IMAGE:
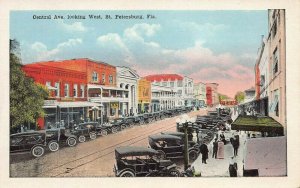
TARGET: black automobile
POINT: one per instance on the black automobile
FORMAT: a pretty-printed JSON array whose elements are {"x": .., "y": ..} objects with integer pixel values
[
  {"x": 32, "y": 141},
  {"x": 84, "y": 130},
  {"x": 119, "y": 123},
  {"x": 58, "y": 136},
  {"x": 171, "y": 147},
  {"x": 142, "y": 162}
]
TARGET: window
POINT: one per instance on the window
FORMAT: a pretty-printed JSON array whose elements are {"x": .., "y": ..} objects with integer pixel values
[
  {"x": 274, "y": 29},
  {"x": 179, "y": 83},
  {"x": 276, "y": 102},
  {"x": 179, "y": 92},
  {"x": 75, "y": 90},
  {"x": 275, "y": 61},
  {"x": 57, "y": 91},
  {"x": 48, "y": 83},
  {"x": 165, "y": 83},
  {"x": 111, "y": 79},
  {"x": 95, "y": 77},
  {"x": 103, "y": 78},
  {"x": 262, "y": 80},
  {"x": 66, "y": 90},
  {"x": 82, "y": 91},
  {"x": 172, "y": 84}
]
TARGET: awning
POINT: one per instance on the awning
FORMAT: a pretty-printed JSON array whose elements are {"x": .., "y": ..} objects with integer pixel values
[
  {"x": 257, "y": 123},
  {"x": 267, "y": 155},
  {"x": 73, "y": 104}
]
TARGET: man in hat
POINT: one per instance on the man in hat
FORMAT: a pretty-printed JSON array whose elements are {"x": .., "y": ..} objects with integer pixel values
[{"x": 215, "y": 148}]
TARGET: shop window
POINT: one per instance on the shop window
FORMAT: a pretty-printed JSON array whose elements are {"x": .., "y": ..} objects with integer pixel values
[
  {"x": 75, "y": 90},
  {"x": 57, "y": 89},
  {"x": 66, "y": 90}
]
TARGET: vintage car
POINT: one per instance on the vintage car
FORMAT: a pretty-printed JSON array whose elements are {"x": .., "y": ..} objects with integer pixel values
[
  {"x": 120, "y": 123},
  {"x": 31, "y": 141},
  {"x": 134, "y": 161},
  {"x": 105, "y": 128},
  {"x": 171, "y": 147},
  {"x": 86, "y": 129},
  {"x": 58, "y": 136}
]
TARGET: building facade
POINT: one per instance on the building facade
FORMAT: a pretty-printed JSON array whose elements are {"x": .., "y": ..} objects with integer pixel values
[
  {"x": 188, "y": 91},
  {"x": 163, "y": 97},
  {"x": 277, "y": 66},
  {"x": 212, "y": 96},
  {"x": 127, "y": 79},
  {"x": 144, "y": 96},
  {"x": 199, "y": 94}
]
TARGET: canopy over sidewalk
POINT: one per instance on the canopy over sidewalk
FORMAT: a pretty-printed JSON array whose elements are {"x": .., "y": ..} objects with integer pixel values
[{"x": 257, "y": 123}]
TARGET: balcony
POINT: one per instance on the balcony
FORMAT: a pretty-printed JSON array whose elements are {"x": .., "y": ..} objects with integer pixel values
[{"x": 109, "y": 99}]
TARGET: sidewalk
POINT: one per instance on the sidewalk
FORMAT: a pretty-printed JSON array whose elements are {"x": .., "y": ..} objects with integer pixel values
[{"x": 219, "y": 167}]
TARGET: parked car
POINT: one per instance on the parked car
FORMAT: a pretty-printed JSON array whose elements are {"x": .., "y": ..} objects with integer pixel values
[
  {"x": 119, "y": 123},
  {"x": 171, "y": 147},
  {"x": 139, "y": 161},
  {"x": 57, "y": 136},
  {"x": 33, "y": 141},
  {"x": 191, "y": 143},
  {"x": 86, "y": 129}
]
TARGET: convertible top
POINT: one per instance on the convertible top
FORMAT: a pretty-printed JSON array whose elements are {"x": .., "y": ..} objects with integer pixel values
[
  {"x": 164, "y": 137},
  {"x": 125, "y": 151},
  {"x": 180, "y": 134}
]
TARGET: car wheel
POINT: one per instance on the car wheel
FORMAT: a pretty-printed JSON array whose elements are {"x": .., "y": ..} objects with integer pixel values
[
  {"x": 81, "y": 138},
  {"x": 193, "y": 155},
  {"x": 93, "y": 136},
  {"x": 174, "y": 173},
  {"x": 71, "y": 141},
  {"x": 127, "y": 173},
  {"x": 53, "y": 146},
  {"x": 142, "y": 122},
  {"x": 123, "y": 127},
  {"x": 161, "y": 155},
  {"x": 114, "y": 130},
  {"x": 37, "y": 151},
  {"x": 103, "y": 133},
  {"x": 131, "y": 125}
]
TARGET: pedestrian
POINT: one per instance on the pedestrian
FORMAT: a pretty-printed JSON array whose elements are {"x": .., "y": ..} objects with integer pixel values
[
  {"x": 204, "y": 152},
  {"x": 232, "y": 167},
  {"x": 215, "y": 149},
  {"x": 222, "y": 137},
  {"x": 235, "y": 145}
]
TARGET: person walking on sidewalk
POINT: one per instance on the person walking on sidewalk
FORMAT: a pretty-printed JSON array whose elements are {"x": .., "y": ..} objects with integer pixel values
[
  {"x": 235, "y": 145},
  {"x": 232, "y": 167},
  {"x": 204, "y": 152},
  {"x": 215, "y": 149}
]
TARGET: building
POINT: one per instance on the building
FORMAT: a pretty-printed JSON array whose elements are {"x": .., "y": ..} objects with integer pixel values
[
  {"x": 249, "y": 95},
  {"x": 67, "y": 99},
  {"x": 212, "y": 96},
  {"x": 277, "y": 66},
  {"x": 188, "y": 88},
  {"x": 144, "y": 96},
  {"x": 127, "y": 79},
  {"x": 163, "y": 97},
  {"x": 199, "y": 94}
]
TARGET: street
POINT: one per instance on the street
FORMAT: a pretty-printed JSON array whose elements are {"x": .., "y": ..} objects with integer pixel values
[{"x": 94, "y": 158}]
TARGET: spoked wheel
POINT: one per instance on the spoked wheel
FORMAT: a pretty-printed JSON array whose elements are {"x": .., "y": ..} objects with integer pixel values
[
  {"x": 174, "y": 173},
  {"x": 93, "y": 136},
  {"x": 103, "y": 132},
  {"x": 81, "y": 138},
  {"x": 123, "y": 127},
  {"x": 114, "y": 130},
  {"x": 53, "y": 146},
  {"x": 131, "y": 125},
  {"x": 161, "y": 155},
  {"x": 71, "y": 141},
  {"x": 193, "y": 155},
  {"x": 142, "y": 122},
  {"x": 37, "y": 151},
  {"x": 127, "y": 174}
]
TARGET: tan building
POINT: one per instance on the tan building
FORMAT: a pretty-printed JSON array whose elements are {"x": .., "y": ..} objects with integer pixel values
[
  {"x": 200, "y": 94},
  {"x": 144, "y": 95},
  {"x": 277, "y": 66}
]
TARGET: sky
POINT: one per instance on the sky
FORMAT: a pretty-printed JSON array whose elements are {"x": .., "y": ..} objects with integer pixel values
[{"x": 208, "y": 46}]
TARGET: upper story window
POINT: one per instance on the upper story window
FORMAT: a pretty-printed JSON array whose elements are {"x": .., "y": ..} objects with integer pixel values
[
  {"x": 274, "y": 29},
  {"x": 179, "y": 83},
  {"x": 262, "y": 80},
  {"x": 165, "y": 83},
  {"x": 66, "y": 90},
  {"x": 111, "y": 79},
  {"x": 103, "y": 78},
  {"x": 57, "y": 91},
  {"x": 75, "y": 88},
  {"x": 95, "y": 77},
  {"x": 172, "y": 84},
  {"x": 275, "y": 61},
  {"x": 82, "y": 91}
]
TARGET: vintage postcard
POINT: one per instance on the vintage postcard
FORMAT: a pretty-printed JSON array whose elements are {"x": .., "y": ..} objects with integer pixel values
[{"x": 169, "y": 92}]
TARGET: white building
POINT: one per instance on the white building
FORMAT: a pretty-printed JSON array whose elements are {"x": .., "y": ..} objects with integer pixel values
[
  {"x": 128, "y": 79},
  {"x": 163, "y": 97},
  {"x": 200, "y": 93},
  {"x": 263, "y": 63},
  {"x": 188, "y": 91}
]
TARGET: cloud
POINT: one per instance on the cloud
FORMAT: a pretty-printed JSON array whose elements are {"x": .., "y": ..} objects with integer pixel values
[
  {"x": 140, "y": 30},
  {"x": 73, "y": 27},
  {"x": 40, "y": 52}
]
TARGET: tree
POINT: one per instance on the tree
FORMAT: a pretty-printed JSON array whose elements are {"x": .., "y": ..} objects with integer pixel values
[
  {"x": 223, "y": 97},
  {"x": 239, "y": 96},
  {"x": 26, "y": 97}
]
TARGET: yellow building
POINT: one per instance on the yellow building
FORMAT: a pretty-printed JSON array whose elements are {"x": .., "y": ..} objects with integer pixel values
[{"x": 144, "y": 95}]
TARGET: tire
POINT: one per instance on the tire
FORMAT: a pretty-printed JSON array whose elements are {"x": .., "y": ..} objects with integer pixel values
[
  {"x": 114, "y": 130},
  {"x": 71, "y": 141},
  {"x": 37, "y": 151},
  {"x": 161, "y": 155},
  {"x": 93, "y": 135},
  {"x": 142, "y": 122},
  {"x": 123, "y": 126},
  {"x": 53, "y": 145},
  {"x": 174, "y": 172},
  {"x": 104, "y": 132},
  {"x": 127, "y": 173},
  {"x": 81, "y": 138},
  {"x": 193, "y": 155}
]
